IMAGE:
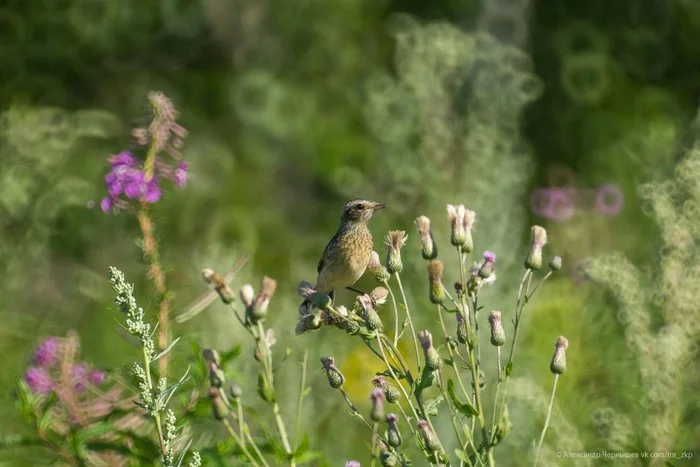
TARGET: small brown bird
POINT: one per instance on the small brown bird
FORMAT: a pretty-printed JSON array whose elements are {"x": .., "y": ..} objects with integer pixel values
[{"x": 346, "y": 256}]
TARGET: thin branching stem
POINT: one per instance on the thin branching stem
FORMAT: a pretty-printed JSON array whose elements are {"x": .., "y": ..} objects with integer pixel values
[
  {"x": 238, "y": 441},
  {"x": 156, "y": 416},
  {"x": 396, "y": 312},
  {"x": 300, "y": 400},
  {"x": 393, "y": 375},
  {"x": 414, "y": 336},
  {"x": 546, "y": 421}
]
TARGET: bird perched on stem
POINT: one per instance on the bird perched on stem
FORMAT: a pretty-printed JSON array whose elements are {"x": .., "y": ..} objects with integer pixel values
[{"x": 346, "y": 256}]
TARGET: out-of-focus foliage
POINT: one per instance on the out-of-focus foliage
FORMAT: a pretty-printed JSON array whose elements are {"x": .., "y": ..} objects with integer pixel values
[{"x": 293, "y": 107}]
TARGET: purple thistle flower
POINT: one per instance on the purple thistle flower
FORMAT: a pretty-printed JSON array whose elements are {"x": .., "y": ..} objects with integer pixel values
[
  {"x": 97, "y": 377},
  {"x": 489, "y": 256},
  {"x": 46, "y": 353},
  {"x": 352, "y": 464},
  {"x": 39, "y": 380},
  {"x": 79, "y": 373},
  {"x": 181, "y": 173}
]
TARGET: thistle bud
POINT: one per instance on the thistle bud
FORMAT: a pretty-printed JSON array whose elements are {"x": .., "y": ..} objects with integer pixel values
[
  {"x": 335, "y": 377},
  {"x": 498, "y": 335},
  {"x": 211, "y": 356},
  {"x": 462, "y": 335},
  {"x": 555, "y": 263},
  {"x": 219, "y": 408},
  {"x": 487, "y": 266},
  {"x": 391, "y": 393},
  {"x": 395, "y": 240},
  {"x": 376, "y": 268},
  {"x": 432, "y": 358},
  {"x": 308, "y": 323},
  {"x": 503, "y": 426},
  {"x": 377, "y": 397},
  {"x": 538, "y": 239},
  {"x": 427, "y": 242},
  {"x": 258, "y": 310},
  {"x": 369, "y": 314},
  {"x": 437, "y": 290},
  {"x": 351, "y": 327},
  {"x": 217, "y": 378},
  {"x": 388, "y": 458},
  {"x": 265, "y": 390},
  {"x": 429, "y": 439},
  {"x": 461, "y": 222},
  {"x": 393, "y": 436},
  {"x": 213, "y": 278},
  {"x": 235, "y": 390},
  {"x": 558, "y": 365}
]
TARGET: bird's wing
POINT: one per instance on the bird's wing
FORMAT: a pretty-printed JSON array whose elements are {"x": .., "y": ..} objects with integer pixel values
[{"x": 321, "y": 261}]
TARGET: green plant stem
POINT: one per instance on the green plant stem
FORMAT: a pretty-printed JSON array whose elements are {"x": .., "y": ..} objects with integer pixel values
[
  {"x": 393, "y": 375},
  {"x": 238, "y": 441},
  {"x": 245, "y": 432},
  {"x": 410, "y": 321},
  {"x": 396, "y": 312},
  {"x": 449, "y": 349},
  {"x": 156, "y": 417},
  {"x": 375, "y": 444},
  {"x": 453, "y": 412},
  {"x": 267, "y": 367},
  {"x": 479, "y": 408},
  {"x": 300, "y": 400},
  {"x": 546, "y": 421},
  {"x": 357, "y": 414}
]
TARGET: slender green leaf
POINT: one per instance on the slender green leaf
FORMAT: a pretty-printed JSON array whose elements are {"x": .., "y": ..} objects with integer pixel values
[
  {"x": 509, "y": 368},
  {"x": 465, "y": 407},
  {"x": 183, "y": 453},
  {"x": 431, "y": 405},
  {"x": 166, "y": 351}
]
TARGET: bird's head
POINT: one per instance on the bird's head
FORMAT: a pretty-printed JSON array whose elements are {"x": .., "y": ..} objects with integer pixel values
[{"x": 359, "y": 210}]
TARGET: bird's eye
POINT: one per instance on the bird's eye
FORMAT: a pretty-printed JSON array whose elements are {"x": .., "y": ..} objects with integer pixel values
[{"x": 360, "y": 207}]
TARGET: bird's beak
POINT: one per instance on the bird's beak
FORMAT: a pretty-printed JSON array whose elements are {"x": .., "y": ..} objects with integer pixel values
[{"x": 379, "y": 206}]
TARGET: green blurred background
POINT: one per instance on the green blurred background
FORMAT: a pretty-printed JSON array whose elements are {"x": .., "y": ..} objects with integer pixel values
[{"x": 292, "y": 108}]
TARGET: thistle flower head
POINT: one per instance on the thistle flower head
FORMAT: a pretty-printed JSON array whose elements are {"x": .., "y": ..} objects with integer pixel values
[
  {"x": 429, "y": 439},
  {"x": 369, "y": 314},
  {"x": 319, "y": 300},
  {"x": 558, "y": 365},
  {"x": 393, "y": 434},
  {"x": 375, "y": 267},
  {"x": 219, "y": 407},
  {"x": 377, "y": 398},
  {"x": 437, "y": 289},
  {"x": 262, "y": 300},
  {"x": 461, "y": 222},
  {"x": 247, "y": 295},
  {"x": 432, "y": 358},
  {"x": 391, "y": 393},
  {"x": 555, "y": 263},
  {"x": 425, "y": 338},
  {"x": 352, "y": 464},
  {"x": 215, "y": 280},
  {"x": 538, "y": 239},
  {"x": 395, "y": 240},
  {"x": 462, "y": 333},
  {"x": 379, "y": 295},
  {"x": 427, "y": 242},
  {"x": 498, "y": 335},
  {"x": 46, "y": 353},
  {"x": 335, "y": 377},
  {"x": 39, "y": 380},
  {"x": 235, "y": 390}
]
